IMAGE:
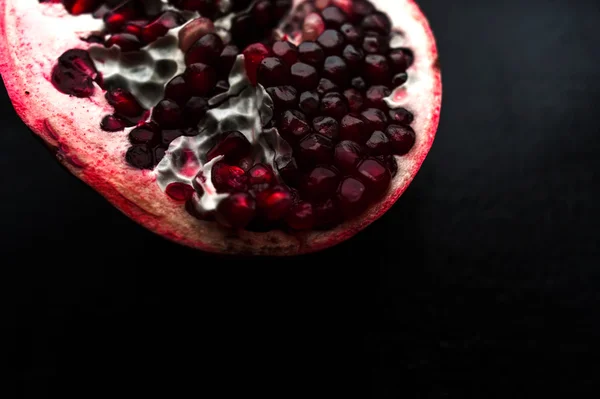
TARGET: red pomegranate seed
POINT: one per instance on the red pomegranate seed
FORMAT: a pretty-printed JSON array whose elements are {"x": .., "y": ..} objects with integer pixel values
[
  {"x": 273, "y": 203},
  {"x": 262, "y": 12},
  {"x": 253, "y": 56},
  {"x": 402, "y": 138},
  {"x": 314, "y": 149},
  {"x": 400, "y": 59},
  {"x": 124, "y": 103},
  {"x": 178, "y": 90},
  {"x": 284, "y": 97},
  {"x": 161, "y": 25},
  {"x": 374, "y": 97},
  {"x": 168, "y": 135},
  {"x": 293, "y": 125},
  {"x": 358, "y": 83},
  {"x": 333, "y": 17},
  {"x": 304, "y": 76},
  {"x": 309, "y": 102},
  {"x": 378, "y": 144},
  {"x": 112, "y": 123},
  {"x": 334, "y": 105},
  {"x": 206, "y": 50},
  {"x": 77, "y": 7},
  {"x": 227, "y": 178},
  {"x": 360, "y": 9},
  {"x": 375, "y": 44},
  {"x": 374, "y": 119},
  {"x": 201, "y": 78},
  {"x": 227, "y": 59},
  {"x": 135, "y": 27},
  {"x": 331, "y": 41},
  {"x": 74, "y": 73},
  {"x": 272, "y": 72},
  {"x": 312, "y": 27},
  {"x": 236, "y": 211},
  {"x": 326, "y": 86},
  {"x": 336, "y": 70},
  {"x": 311, "y": 53},
  {"x": 327, "y": 126},
  {"x": 327, "y": 214},
  {"x": 167, "y": 114},
  {"x": 377, "y": 69},
  {"x": 399, "y": 79},
  {"x": 125, "y": 41},
  {"x": 287, "y": 51},
  {"x": 354, "y": 57},
  {"x": 352, "y": 127},
  {"x": 346, "y": 156},
  {"x": 194, "y": 110},
  {"x": 234, "y": 146},
  {"x": 355, "y": 100},
  {"x": 288, "y": 169},
  {"x": 260, "y": 174},
  {"x": 301, "y": 216},
  {"x": 400, "y": 116},
  {"x": 352, "y": 197},
  {"x": 351, "y": 33},
  {"x": 375, "y": 176},
  {"x": 139, "y": 157},
  {"x": 320, "y": 183},
  {"x": 179, "y": 191},
  {"x": 377, "y": 22},
  {"x": 193, "y": 31},
  {"x": 143, "y": 135}
]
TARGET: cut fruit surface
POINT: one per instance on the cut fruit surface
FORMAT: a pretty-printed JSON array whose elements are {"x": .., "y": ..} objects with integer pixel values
[{"x": 281, "y": 141}]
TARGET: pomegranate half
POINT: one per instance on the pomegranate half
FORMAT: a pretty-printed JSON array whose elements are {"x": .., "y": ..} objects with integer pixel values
[{"x": 272, "y": 127}]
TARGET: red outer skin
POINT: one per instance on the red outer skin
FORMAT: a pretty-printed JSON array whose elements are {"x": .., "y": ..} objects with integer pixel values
[{"x": 156, "y": 211}]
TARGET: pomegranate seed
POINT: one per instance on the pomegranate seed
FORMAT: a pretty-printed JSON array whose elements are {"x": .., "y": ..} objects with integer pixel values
[
  {"x": 376, "y": 69},
  {"x": 179, "y": 191},
  {"x": 287, "y": 51},
  {"x": 312, "y": 27},
  {"x": 135, "y": 27},
  {"x": 253, "y": 56},
  {"x": 168, "y": 135},
  {"x": 353, "y": 57},
  {"x": 227, "y": 59},
  {"x": 178, "y": 90},
  {"x": 401, "y": 116},
  {"x": 352, "y": 197},
  {"x": 334, "y": 105},
  {"x": 378, "y": 144},
  {"x": 375, "y": 176},
  {"x": 351, "y": 33},
  {"x": 272, "y": 72},
  {"x": 326, "y": 126},
  {"x": 320, "y": 183},
  {"x": 304, "y": 76},
  {"x": 402, "y": 138},
  {"x": 288, "y": 169},
  {"x": 309, "y": 102},
  {"x": 201, "y": 78},
  {"x": 360, "y": 9},
  {"x": 115, "y": 20},
  {"x": 284, "y": 97},
  {"x": 227, "y": 178},
  {"x": 352, "y": 127},
  {"x": 390, "y": 163},
  {"x": 293, "y": 126},
  {"x": 374, "y": 97},
  {"x": 167, "y": 114},
  {"x": 374, "y": 119},
  {"x": 125, "y": 41},
  {"x": 236, "y": 211},
  {"x": 77, "y": 7},
  {"x": 375, "y": 44},
  {"x": 326, "y": 86},
  {"x": 194, "y": 110},
  {"x": 346, "y": 156},
  {"x": 333, "y": 17},
  {"x": 260, "y": 174},
  {"x": 400, "y": 59},
  {"x": 327, "y": 214},
  {"x": 311, "y": 53},
  {"x": 139, "y": 157},
  {"x": 336, "y": 70},
  {"x": 124, "y": 103},
  {"x": 112, "y": 123},
  {"x": 331, "y": 41},
  {"x": 74, "y": 73},
  {"x": 143, "y": 135},
  {"x": 301, "y": 216},
  {"x": 314, "y": 149},
  {"x": 358, "y": 83},
  {"x": 262, "y": 12},
  {"x": 399, "y": 79},
  {"x": 355, "y": 99},
  {"x": 161, "y": 25},
  {"x": 205, "y": 50},
  {"x": 193, "y": 31},
  {"x": 234, "y": 146},
  {"x": 273, "y": 203},
  {"x": 377, "y": 22}
]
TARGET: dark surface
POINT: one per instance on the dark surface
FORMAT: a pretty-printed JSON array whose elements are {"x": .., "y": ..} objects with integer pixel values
[{"x": 482, "y": 281}]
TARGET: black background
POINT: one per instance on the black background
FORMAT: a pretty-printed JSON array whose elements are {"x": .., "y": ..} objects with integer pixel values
[{"x": 482, "y": 281}]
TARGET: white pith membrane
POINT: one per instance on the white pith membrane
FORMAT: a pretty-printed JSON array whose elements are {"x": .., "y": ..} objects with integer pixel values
[{"x": 29, "y": 53}]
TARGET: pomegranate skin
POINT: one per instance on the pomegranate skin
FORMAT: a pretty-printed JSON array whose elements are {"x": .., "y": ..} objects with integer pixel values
[{"x": 63, "y": 122}]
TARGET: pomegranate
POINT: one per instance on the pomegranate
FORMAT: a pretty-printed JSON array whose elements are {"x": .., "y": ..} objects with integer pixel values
[{"x": 273, "y": 127}]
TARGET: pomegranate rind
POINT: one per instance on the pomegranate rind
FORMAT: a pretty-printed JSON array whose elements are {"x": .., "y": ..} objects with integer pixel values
[{"x": 33, "y": 35}]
